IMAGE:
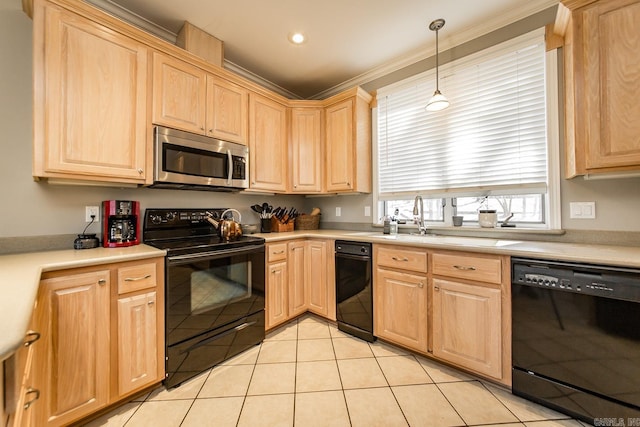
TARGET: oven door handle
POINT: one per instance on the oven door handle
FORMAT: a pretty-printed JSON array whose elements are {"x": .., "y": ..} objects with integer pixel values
[{"x": 214, "y": 254}]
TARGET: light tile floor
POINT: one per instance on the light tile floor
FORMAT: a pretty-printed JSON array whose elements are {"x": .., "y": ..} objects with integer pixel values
[{"x": 308, "y": 373}]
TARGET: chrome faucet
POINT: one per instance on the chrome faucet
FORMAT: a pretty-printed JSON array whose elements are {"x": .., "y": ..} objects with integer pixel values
[{"x": 421, "y": 227}]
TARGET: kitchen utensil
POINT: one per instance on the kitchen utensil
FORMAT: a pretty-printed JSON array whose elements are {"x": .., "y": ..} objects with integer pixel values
[
  {"x": 257, "y": 209},
  {"x": 315, "y": 211}
]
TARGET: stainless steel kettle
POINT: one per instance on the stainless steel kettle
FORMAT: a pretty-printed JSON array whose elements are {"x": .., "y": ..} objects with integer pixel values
[{"x": 228, "y": 229}]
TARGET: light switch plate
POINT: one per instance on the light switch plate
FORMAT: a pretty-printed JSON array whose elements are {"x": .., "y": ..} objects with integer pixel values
[
  {"x": 367, "y": 211},
  {"x": 338, "y": 211},
  {"x": 582, "y": 210}
]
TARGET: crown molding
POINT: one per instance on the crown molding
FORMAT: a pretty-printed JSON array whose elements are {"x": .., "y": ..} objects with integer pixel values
[
  {"x": 447, "y": 42},
  {"x": 134, "y": 19}
]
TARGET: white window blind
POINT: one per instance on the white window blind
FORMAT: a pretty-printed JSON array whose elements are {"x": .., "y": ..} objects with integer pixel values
[{"x": 491, "y": 138}]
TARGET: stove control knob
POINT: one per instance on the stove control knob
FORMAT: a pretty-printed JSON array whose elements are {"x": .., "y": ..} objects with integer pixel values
[
  {"x": 170, "y": 216},
  {"x": 156, "y": 219}
]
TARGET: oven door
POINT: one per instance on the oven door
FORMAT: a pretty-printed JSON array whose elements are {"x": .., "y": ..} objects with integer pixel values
[{"x": 207, "y": 291}]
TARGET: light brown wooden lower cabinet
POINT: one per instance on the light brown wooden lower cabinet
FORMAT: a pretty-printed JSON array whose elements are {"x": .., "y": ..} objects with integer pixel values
[
  {"x": 450, "y": 305},
  {"x": 299, "y": 278},
  {"x": 467, "y": 326},
  {"x": 401, "y": 308},
  {"x": 102, "y": 339}
]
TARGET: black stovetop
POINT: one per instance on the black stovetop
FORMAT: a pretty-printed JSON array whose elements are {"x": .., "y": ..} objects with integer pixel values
[{"x": 186, "y": 231}]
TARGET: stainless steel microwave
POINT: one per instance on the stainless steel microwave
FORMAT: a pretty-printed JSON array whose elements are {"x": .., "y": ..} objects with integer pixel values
[{"x": 190, "y": 161}]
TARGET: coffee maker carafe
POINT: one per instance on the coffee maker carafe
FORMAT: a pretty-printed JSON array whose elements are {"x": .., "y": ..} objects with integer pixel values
[{"x": 121, "y": 220}]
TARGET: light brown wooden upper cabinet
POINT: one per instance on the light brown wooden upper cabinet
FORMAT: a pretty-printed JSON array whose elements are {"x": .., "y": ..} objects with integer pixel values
[
  {"x": 306, "y": 149},
  {"x": 179, "y": 94},
  {"x": 348, "y": 142},
  {"x": 227, "y": 110},
  {"x": 268, "y": 152},
  {"x": 602, "y": 86},
  {"x": 90, "y": 100},
  {"x": 188, "y": 98}
]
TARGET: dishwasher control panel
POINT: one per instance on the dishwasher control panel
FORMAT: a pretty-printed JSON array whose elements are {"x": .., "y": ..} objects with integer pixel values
[{"x": 598, "y": 280}]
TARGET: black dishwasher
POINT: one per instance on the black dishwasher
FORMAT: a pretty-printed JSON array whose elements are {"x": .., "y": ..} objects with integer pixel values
[
  {"x": 354, "y": 289},
  {"x": 576, "y": 338}
]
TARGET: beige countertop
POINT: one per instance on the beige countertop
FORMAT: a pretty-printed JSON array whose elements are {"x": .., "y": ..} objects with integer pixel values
[
  {"x": 20, "y": 273},
  {"x": 623, "y": 256},
  {"x": 20, "y": 277}
]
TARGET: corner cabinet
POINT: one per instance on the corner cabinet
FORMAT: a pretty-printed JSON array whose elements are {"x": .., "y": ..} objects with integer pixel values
[
  {"x": 268, "y": 150},
  {"x": 102, "y": 338},
  {"x": 299, "y": 279},
  {"x": 348, "y": 142},
  {"x": 306, "y": 149},
  {"x": 90, "y": 100},
  {"x": 602, "y": 87}
]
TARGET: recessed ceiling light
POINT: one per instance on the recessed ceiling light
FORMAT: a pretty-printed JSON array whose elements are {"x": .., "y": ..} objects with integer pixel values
[{"x": 297, "y": 38}]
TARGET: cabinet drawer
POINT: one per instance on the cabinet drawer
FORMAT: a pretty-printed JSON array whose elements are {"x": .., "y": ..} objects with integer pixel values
[
  {"x": 404, "y": 259},
  {"x": 468, "y": 266},
  {"x": 277, "y": 252},
  {"x": 136, "y": 277}
]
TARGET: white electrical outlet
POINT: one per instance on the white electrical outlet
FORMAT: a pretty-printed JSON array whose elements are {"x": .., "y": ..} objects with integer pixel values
[
  {"x": 338, "y": 211},
  {"x": 367, "y": 211},
  {"x": 92, "y": 210}
]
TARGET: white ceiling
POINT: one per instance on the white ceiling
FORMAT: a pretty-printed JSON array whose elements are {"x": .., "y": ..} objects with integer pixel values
[{"x": 347, "y": 40}]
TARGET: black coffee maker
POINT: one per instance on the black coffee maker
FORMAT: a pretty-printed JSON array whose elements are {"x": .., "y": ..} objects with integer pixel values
[{"x": 121, "y": 220}]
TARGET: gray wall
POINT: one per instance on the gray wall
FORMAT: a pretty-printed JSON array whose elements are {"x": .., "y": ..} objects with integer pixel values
[{"x": 33, "y": 209}]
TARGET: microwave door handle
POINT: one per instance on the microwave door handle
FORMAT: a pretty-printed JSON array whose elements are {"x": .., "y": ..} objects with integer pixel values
[{"x": 230, "y": 168}]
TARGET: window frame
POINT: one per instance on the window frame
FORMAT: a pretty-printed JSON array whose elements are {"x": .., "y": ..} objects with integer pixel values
[{"x": 551, "y": 199}]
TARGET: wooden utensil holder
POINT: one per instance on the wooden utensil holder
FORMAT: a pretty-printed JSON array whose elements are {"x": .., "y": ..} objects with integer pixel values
[{"x": 278, "y": 227}]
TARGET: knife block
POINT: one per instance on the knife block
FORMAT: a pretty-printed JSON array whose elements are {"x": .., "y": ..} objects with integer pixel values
[{"x": 278, "y": 227}]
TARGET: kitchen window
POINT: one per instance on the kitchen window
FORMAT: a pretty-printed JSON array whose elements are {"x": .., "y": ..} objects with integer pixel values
[{"x": 495, "y": 147}]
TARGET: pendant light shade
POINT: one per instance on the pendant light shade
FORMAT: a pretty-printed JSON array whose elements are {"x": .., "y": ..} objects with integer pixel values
[{"x": 438, "y": 101}]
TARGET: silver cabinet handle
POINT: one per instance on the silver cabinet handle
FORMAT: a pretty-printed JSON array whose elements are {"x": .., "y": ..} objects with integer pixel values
[
  {"x": 151, "y": 302},
  {"x": 436, "y": 288},
  {"x": 420, "y": 285},
  {"x": 463, "y": 268},
  {"x": 36, "y": 397},
  {"x": 398, "y": 259},
  {"x": 35, "y": 336},
  {"x": 278, "y": 253},
  {"x": 140, "y": 170},
  {"x": 102, "y": 282},
  {"x": 135, "y": 279}
]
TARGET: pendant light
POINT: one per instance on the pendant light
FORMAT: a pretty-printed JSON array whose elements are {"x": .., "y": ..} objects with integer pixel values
[{"x": 438, "y": 101}]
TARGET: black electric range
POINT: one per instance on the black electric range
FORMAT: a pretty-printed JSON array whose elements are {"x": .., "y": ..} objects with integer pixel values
[{"x": 214, "y": 290}]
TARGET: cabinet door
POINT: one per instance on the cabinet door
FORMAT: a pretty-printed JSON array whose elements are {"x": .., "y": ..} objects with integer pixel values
[
  {"x": 268, "y": 155},
  {"x": 137, "y": 342},
  {"x": 467, "y": 323},
  {"x": 306, "y": 150},
  {"x": 400, "y": 304},
  {"x": 276, "y": 309},
  {"x": 20, "y": 396},
  {"x": 179, "y": 94},
  {"x": 611, "y": 50},
  {"x": 71, "y": 360},
  {"x": 297, "y": 279},
  {"x": 90, "y": 107},
  {"x": 317, "y": 277},
  {"x": 227, "y": 110},
  {"x": 340, "y": 146}
]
